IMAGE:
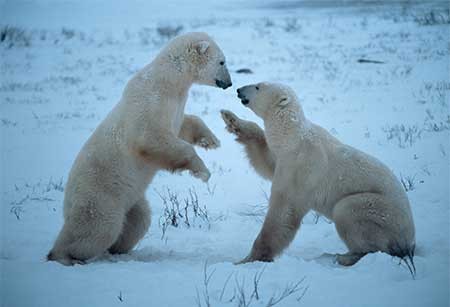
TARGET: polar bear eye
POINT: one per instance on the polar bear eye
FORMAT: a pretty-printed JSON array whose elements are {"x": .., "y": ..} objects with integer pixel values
[
  {"x": 257, "y": 88},
  {"x": 222, "y": 63}
]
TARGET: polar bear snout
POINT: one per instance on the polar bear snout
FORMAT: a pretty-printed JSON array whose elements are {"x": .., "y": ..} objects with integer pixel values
[
  {"x": 242, "y": 96},
  {"x": 222, "y": 77},
  {"x": 223, "y": 84}
]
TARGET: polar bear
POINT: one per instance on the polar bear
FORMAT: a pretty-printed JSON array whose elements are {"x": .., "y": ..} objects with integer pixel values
[
  {"x": 311, "y": 170},
  {"x": 104, "y": 203}
]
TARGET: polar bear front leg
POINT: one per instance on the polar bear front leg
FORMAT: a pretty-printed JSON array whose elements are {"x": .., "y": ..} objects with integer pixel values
[
  {"x": 173, "y": 154},
  {"x": 280, "y": 226},
  {"x": 252, "y": 137},
  {"x": 194, "y": 131}
]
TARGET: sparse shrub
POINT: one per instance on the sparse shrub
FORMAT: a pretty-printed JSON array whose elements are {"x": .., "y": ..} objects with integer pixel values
[
  {"x": 405, "y": 135},
  {"x": 288, "y": 290},
  {"x": 43, "y": 35},
  {"x": 207, "y": 275},
  {"x": 144, "y": 36},
  {"x": 330, "y": 70},
  {"x": 70, "y": 80},
  {"x": 19, "y": 86},
  {"x": 434, "y": 93},
  {"x": 14, "y": 37},
  {"x": 54, "y": 185},
  {"x": 268, "y": 22},
  {"x": 68, "y": 33},
  {"x": 245, "y": 295},
  {"x": 8, "y": 123},
  {"x": 433, "y": 18},
  {"x": 431, "y": 126},
  {"x": 257, "y": 211},
  {"x": 38, "y": 192},
  {"x": 317, "y": 217},
  {"x": 364, "y": 23},
  {"x": 167, "y": 32},
  {"x": 187, "y": 212},
  {"x": 292, "y": 25},
  {"x": 120, "y": 296},
  {"x": 408, "y": 182}
]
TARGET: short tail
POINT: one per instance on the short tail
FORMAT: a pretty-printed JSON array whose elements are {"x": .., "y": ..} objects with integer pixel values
[
  {"x": 50, "y": 256},
  {"x": 406, "y": 255}
]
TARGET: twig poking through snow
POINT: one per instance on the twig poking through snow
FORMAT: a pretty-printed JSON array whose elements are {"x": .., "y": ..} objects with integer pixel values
[
  {"x": 206, "y": 279},
  {"x": 225, "y": 286},
  {"x": 256, "y": 280},
  {"x": 289, "y": 290},
  {"x": 408, "y": 182},
  {"x": 176, "y": 213},
  {"x": 244, "y": 298},
  {"x": 120, "y": 297}
]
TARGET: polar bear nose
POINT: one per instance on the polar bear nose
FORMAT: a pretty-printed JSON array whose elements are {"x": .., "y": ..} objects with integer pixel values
[
  {"x": 241, "y": 96},
  {"x": 222, "y": 84}
]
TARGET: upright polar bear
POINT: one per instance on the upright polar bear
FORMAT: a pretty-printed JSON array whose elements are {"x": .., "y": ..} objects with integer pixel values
[
  {"x": 312, "y": 170},
  {"x": 104, "y": 204}
]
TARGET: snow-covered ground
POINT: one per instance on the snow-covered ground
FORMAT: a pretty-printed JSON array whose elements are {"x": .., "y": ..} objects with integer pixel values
[{"x": 63, "y": 65}]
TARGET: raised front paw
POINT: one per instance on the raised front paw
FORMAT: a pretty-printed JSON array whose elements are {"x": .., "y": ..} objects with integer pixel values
[
  {"x": 208, "y": 142},
  {"x": 232, "y": 122}
]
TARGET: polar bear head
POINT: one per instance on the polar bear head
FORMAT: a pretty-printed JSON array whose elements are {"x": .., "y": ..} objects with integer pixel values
[
  {"x": 200, "y": 57},
  {"x": 263, "y": 98}
]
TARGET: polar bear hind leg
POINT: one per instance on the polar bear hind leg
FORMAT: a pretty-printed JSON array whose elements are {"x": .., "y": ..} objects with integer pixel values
[
  {"x": 367, "y": 223},
  {"x": 137, "y": 222},
  {"x": 87, "y": 233}
]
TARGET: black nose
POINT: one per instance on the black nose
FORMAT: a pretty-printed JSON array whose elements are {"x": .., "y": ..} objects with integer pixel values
[
  {"x": 222, "y": 84},
  {"x": 238, "y": 90}
]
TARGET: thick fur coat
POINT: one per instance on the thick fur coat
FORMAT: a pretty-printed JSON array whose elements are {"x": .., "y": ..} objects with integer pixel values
[
  {"x": 104, "y": 203},
  {"x": 312, "y": 170}
]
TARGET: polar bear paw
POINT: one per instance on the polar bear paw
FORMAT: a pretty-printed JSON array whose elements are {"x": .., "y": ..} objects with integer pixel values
[
  {"x": 209, "y": 142},
  {"x": 349, "y": 258},
  {"x": 232, "y": 122},
  {"x": 244, "y": 130},
  {"x": 260, "y": 252},
  {"x": 199, "y": 170},
  {"x": 204, "y": 176}
]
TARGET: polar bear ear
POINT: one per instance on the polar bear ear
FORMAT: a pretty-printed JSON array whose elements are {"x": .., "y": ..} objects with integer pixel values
[
  {"x": 284, "y": 101},
  {"x": 201, "y": 46}
]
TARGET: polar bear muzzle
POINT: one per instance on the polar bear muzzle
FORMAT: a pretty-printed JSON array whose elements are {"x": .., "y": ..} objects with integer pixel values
[
  {"x": 223, "y": 84},
  {"x": 242, "y": 96}
]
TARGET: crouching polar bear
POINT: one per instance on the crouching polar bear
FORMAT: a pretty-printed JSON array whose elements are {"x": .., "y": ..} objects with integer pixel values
[
  {"x": 312, "y": 170},
  {"x": 104, "y": 202}
]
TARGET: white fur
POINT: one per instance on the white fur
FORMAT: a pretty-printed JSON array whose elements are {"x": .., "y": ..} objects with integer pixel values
[
  {"x": 312, "y": 170},
  {"x": 104, "y": 204}
]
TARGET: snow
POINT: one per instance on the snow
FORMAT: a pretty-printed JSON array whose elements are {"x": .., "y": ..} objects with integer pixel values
[{"x": 63, "y": 75}]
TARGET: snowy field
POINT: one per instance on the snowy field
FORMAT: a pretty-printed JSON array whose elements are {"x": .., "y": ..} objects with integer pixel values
[{"x": 63, "y": 66}]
